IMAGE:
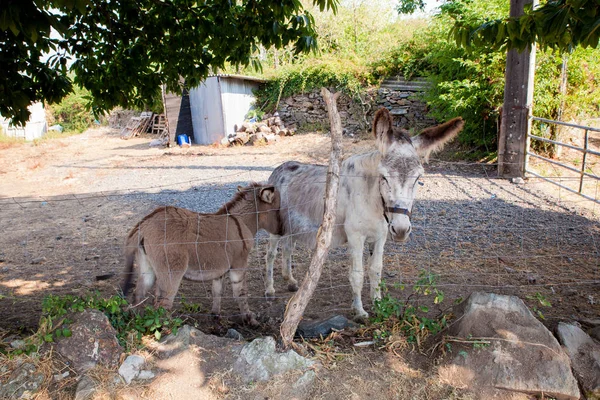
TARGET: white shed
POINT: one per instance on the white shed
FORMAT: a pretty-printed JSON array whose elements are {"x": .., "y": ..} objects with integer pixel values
[
  {"x": 33, "y": 129},
  {"x": 219, "y": 104}
]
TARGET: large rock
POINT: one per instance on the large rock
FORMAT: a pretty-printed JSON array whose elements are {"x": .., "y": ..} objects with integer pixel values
[
  {"x": 23, "y": 383},
  {"x": 522, "y": 355},
  {"x": 259, "y": 361},
  {"x": 585, "y": 356},
  {"x": 93, "y": 341}
]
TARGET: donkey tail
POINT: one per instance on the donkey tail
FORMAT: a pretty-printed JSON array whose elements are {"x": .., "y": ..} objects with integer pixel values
[{"x": 132, "y": 243}]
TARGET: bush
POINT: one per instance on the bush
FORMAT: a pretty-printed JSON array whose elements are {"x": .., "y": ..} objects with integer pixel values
[
  {"x": 344, "y": 75},
  {"x": 72, "y": 112}
]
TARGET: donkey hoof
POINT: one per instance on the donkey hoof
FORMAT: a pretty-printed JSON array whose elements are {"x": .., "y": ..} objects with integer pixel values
[
  {"x": 216, "y": 317},
  {"x": 361, "y": 318},
  {"x": 250, "y": 319},
  {"x": 254, "y": 323},
  {"x": 293, "y": 287},
  {"x": 270, "y": 295}
]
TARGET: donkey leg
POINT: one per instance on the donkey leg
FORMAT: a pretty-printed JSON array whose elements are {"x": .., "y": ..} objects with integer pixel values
[
  {"x": 270, "y": 260},
  {"x": 375, "y": 266},
  {"x": 169, "y": 278},
  {"x": 356, "y": 244},
  {"x": 146, "y": 276},
  {"x": 240, "y": 291},
  {"x": 288, "y": 249},
  {"x": 217, "y": 291}
]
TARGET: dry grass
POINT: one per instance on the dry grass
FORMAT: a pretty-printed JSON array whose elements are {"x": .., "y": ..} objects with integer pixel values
[{"x": 6, "y": 142}]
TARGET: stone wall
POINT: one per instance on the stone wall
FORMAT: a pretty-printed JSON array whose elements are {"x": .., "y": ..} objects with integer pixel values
[{"x": 307, "y": 112}]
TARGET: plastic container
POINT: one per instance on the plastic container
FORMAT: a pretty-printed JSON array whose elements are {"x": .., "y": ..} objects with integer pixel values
[{"x": 183, "y": 140}]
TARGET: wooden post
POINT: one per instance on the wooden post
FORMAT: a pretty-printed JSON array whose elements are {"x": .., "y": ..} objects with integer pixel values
[
  {"x": 518, "y": 98},
  {"x": 297, "y": 304}
]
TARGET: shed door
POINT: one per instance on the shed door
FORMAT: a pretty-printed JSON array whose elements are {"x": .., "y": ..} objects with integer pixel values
[
  {"x": 207, "y": 113},
  {"x": 237, "y": 101}
]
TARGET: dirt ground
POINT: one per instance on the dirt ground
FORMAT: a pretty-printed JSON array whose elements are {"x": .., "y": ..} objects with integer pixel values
[{"x": 66, "y": 205}]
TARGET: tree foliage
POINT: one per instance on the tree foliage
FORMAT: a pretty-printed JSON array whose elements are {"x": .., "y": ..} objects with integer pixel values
[
  {"x": 557, "y": 24},
  {"x": 122, "y": 51},
  {"x": 470, "y": 81}
]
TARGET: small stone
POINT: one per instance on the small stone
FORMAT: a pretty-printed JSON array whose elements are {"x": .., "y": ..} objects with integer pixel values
[
  {"x": 131, "y": 367},
  {"x": 60, "y": 377},
  {"x": 233, "y": 334},
  {"x": 570, "y": 292},
  {"x": 145, "y": 375},
  {"x": 38, "y": 260},
  {"x": 517, "y": 181},
  {"x": 17, "y": 344},
  {"x": 595, "y": 333},
  {"x": 85, "y": 388}
]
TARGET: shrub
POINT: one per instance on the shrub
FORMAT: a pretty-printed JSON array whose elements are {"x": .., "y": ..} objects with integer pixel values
[
  {"x": 345, "y": 75},
  {"x": 72, "y": 112}
]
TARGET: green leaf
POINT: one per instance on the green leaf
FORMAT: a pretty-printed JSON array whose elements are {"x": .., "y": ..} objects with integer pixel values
[{"x": 157, "y": 335}]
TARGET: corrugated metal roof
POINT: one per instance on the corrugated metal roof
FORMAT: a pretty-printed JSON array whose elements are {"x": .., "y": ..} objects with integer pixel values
[{"x": 243, "y": 77}]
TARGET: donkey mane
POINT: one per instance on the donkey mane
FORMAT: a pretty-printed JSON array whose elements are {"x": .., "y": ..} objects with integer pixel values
[{"x": 238, "y": 197}]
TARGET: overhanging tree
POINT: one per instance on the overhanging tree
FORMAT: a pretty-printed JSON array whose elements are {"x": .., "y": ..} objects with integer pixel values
[
  {"x": 557, "y": 24},
  {"x": 122, "y": 51}
]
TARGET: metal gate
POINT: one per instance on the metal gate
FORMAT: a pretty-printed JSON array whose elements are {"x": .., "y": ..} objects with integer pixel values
[{"x": 585, "y": 150}]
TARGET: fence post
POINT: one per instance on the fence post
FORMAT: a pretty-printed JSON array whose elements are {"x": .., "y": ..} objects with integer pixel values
[
  {"x": 297, "y": 304},
  {"x": 518, "y": 98}
]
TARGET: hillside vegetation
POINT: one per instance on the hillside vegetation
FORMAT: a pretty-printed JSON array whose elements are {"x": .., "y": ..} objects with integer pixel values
[{"x": 367, "y": 41}]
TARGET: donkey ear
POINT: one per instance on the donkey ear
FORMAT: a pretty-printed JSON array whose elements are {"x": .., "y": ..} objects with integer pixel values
[
  {"x": 382, "y": 129},
  {"x": 267, "y": 194},
  {"x": 434, "y": 138}
]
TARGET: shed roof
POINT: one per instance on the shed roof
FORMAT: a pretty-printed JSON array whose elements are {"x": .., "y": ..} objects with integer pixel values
[{"x": 241, "y": 77}]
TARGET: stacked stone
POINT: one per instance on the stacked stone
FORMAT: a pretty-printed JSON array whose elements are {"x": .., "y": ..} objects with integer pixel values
[
  {"x": 307, "y": 112},
  {"x": 408, "y": 110}
]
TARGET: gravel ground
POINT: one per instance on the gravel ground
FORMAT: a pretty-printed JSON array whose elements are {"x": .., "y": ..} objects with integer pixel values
[{"x": 67, "y": 204}]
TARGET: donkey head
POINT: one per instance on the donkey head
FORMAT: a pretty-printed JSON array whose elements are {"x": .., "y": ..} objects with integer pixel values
[
  {"x": 267, "y": 202},
  {"x": 400, "y": 167}
]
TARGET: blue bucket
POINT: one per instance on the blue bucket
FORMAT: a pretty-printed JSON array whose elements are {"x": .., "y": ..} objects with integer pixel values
[{"x": 183, "y": 140}]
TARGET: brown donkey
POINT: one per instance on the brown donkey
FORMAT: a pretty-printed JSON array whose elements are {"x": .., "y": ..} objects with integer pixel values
[{"x": 173, "y": 243}]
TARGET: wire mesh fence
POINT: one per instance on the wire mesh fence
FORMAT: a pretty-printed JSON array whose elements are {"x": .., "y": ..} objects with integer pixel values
[{"x": 474, "y": 232}]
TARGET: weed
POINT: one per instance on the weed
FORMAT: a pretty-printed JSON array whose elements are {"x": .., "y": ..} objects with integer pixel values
[
  {"x": 255, "y": 113},
  {"x": 393, "y": 316},
  {"x": 128, "y": 322},
  {"x": 189, "y": 308},
  {"x": 540, "y": 299}
]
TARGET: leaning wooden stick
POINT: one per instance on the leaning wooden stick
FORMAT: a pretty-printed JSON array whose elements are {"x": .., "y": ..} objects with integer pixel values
[{"x": 297, "y": 304}]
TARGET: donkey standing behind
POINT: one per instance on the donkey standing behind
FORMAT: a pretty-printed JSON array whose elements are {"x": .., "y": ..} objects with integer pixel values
[
  {"x": 173, "y": 243},
  {"x": 376, "y": 196}
]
